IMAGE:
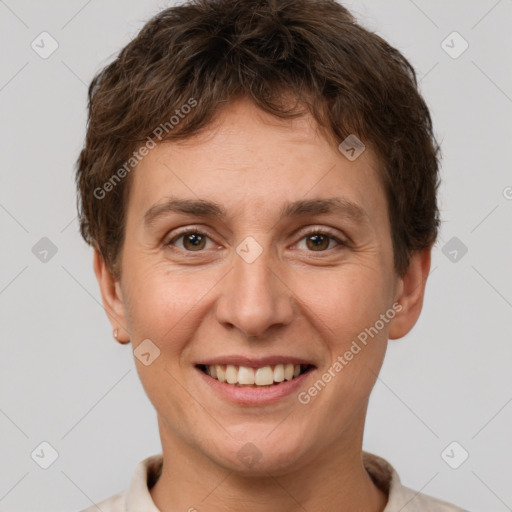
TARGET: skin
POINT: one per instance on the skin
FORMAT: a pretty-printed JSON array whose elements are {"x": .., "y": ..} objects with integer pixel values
[{"x": 294, "y": 299}]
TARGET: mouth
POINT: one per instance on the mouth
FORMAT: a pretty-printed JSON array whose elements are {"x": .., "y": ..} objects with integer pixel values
[{"x": 255, "y": 377}]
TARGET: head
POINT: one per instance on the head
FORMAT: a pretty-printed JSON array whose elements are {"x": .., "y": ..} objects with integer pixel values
[{"x": 224, "y": 119}]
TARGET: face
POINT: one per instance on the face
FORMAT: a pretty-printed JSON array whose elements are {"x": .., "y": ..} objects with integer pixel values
[{"x": 287, "y": 259}]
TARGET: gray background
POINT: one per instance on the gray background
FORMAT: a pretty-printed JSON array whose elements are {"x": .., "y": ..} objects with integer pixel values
[{"x": 64, "y": 379}]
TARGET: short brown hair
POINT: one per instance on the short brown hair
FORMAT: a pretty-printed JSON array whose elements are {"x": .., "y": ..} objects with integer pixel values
[{"x": 213, "y": 51}]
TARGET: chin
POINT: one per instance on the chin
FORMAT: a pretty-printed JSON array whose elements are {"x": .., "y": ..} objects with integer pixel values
[{"x": 261, "y": 452}]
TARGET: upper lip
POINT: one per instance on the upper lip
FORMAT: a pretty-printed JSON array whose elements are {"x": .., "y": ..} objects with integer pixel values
[{"x": 254, "y": 362}]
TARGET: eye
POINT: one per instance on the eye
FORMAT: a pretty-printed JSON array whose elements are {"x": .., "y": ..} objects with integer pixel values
[
  {"x": 194, "y": 240},
  {"x": 319, "y": 240}
]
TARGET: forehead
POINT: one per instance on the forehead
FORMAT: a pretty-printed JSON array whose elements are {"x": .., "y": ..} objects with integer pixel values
[{"x": 249, "y": 161}]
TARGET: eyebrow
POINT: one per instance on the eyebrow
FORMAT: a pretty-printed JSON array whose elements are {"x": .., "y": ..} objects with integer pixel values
[{"x": 204, "y": 208}]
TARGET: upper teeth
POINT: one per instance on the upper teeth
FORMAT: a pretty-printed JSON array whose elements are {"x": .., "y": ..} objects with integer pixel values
[{"x": 244, "y": 375}]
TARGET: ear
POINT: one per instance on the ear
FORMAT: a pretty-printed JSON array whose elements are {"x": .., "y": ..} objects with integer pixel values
[
  {"x": 112, "y": 298},
  {"x": 409, "y": 294}
]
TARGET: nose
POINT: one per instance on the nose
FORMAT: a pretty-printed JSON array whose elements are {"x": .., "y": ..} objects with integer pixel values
[{"x": 254, "y": 296}]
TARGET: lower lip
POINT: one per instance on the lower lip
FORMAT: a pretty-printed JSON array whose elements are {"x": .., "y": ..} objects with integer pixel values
[{"x": 244, "y": 395}]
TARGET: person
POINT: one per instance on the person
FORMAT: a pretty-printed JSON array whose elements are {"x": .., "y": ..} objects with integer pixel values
[{"x": 258, "y": 183}]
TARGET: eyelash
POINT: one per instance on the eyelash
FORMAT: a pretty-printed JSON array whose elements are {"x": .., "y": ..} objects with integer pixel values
[{"x": 317, "y": 231}]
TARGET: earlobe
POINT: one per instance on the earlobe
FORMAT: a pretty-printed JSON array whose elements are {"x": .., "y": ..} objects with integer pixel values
[
  {"x": 410, "y": 293},
  {"x": 112, "y": 298},
  {"x": 117, "y": 337}
]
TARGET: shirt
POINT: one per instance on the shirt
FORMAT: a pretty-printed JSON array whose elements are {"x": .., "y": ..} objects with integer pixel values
[{"x": 400, "y": 498}]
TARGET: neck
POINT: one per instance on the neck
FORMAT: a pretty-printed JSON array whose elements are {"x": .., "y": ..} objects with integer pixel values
[{"x": 336, "y": 480}]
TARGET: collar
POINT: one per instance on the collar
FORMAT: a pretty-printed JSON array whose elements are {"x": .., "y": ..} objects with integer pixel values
[{"x": 400, "y": 498}]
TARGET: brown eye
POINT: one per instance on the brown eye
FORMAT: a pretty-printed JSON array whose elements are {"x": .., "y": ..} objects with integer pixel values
[
  {"x": 194, "y": 241},
  {"x": 320, "y": 240}
]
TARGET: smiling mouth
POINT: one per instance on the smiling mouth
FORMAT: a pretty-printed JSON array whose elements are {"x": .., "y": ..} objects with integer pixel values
[{"x": 265, "y": 376}]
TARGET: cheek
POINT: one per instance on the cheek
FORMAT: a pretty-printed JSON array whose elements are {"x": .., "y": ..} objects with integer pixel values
[
  {"x": 345, "y": 307},
  {"x": 343, "y": 303},
  {"x": 162, "y": 301}
]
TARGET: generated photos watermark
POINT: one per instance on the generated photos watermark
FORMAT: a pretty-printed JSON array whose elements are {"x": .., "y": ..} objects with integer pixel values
[
  {"x": 341, "y": 361},
  {"x": 157, "y": 133}
]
